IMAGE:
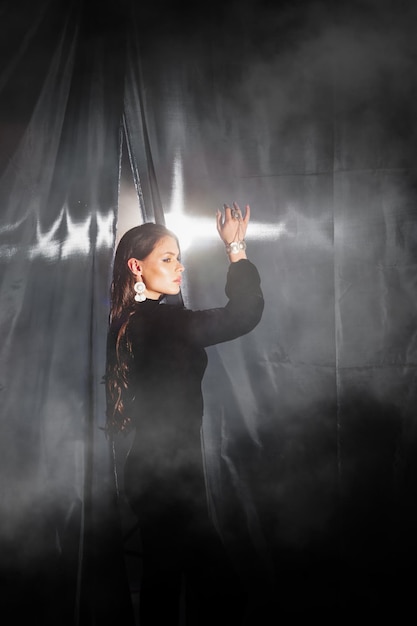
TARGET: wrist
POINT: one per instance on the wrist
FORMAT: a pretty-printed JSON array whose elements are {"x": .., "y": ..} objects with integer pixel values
[
  {"x": 235, "y": 247},
  {"x": 236, "y": 250},
  {"x": 233, "y": 258}
]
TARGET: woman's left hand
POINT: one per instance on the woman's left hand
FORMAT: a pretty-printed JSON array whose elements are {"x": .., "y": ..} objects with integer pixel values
[{"x": 232, "y": 225}]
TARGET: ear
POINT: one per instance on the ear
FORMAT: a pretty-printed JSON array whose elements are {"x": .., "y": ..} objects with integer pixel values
[{"x": 134, "y": 266}]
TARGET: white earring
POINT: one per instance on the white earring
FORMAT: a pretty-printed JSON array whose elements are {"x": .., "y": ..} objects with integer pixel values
[{"x": 140, "y": 287}]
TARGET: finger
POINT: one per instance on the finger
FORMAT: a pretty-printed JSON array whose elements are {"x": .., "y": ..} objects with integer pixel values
[
  {"x": 228, "y": 213},
  {"x": 247, "y": 214},
  {"x": 219, "y": 218},
  {"x": 236, "y": 212}
]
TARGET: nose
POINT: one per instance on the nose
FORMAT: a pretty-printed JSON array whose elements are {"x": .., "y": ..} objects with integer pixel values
[{"x": 180, "y": 267}]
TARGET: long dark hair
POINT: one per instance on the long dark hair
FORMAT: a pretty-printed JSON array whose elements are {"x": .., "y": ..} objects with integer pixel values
[{"x": 138, "y": 243}]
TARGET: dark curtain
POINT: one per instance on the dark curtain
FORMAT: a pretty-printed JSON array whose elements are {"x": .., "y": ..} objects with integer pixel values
[
  {"x": 163, "y": 111},
  {"x": 62, "y": 103}
]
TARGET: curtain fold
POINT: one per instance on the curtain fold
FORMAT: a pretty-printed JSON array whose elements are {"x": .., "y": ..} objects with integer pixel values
[
  {"x": 136, "y": 129},
  {"x": 59, "y": 194}
]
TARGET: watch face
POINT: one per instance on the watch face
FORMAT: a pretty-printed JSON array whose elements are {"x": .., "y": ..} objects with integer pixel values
[
  {"x": 232, "y": 248},
  {"x": 235, "y": 246}
]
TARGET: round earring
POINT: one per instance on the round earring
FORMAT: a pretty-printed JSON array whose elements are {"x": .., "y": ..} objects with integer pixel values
[{"x": 140, "y": 287}]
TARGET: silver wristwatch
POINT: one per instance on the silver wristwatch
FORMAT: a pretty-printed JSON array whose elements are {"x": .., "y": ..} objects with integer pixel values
[{"x": 235, "y": 246}]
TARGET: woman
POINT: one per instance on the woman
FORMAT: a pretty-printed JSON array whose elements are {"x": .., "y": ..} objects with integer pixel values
[{"x": 155, "y": 365}]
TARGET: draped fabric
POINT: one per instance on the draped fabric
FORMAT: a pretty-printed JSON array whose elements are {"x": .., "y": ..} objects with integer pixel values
[
  {"x": 126, "y": 113},
  {"x": 63, "y": 88}
]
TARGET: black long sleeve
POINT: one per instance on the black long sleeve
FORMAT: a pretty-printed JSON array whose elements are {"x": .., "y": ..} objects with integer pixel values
[{"x": 201, "y": 328}]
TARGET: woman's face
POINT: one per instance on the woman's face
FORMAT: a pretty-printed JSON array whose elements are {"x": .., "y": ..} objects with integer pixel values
[{"x": 161, "y": 270}]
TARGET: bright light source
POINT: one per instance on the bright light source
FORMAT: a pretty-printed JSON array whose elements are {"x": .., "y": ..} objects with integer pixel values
[
  {"x": 78, "y": 237},
  {"x": 191, "y": 230},
  {"x": 203, "y": 229},
  {"x": 177, "y": 198},
  {"x": 46, "y": 245},
  {"x": 105, "y": 230}
]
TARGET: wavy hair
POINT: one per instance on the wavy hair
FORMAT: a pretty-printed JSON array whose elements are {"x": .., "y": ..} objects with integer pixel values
[{"x": 138, "y": 243}]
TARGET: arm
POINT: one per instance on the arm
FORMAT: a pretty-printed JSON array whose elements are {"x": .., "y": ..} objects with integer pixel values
[
  {"x": 245, "y": 306},
  {"x": 202, "y": 328}
]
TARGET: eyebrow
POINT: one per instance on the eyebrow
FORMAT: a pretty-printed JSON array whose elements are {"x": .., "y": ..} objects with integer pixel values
[{"x": 172, "y": 253}]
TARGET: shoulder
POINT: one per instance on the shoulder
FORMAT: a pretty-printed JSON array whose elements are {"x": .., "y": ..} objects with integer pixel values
[
  {"x": 151, "y": 313},
  {"x": 160, "y": 325}
]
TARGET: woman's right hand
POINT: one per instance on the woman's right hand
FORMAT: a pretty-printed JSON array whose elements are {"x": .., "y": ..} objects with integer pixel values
[{"x": 231, "y": 225}]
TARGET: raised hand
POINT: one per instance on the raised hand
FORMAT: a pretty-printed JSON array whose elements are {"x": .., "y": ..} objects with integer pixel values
[{"x": 231, "y": 225}]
